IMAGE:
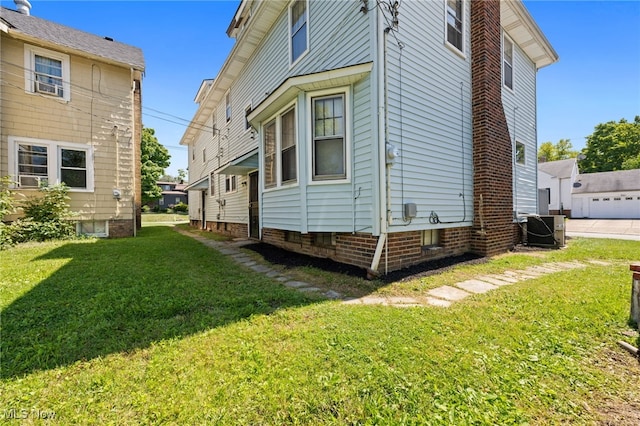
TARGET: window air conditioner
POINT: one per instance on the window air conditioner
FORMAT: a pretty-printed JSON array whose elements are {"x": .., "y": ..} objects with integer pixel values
[
  {"x": 48, "y": 88},
  {"x": 26, "y": 181}
]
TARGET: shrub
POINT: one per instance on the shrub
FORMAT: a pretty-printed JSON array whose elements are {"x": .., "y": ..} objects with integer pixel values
[
  {"x": 46, "y": 217},
  {"x": 146, "y": 209},
  {"x": 181, "y": 207}
]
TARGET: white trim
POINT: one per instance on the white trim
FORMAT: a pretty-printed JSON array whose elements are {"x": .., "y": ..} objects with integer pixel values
[
  {"x": 53, "y": 159},
  {"x": 277, "y": 118},
  {"x": 460, "y": 52},
  {"x": 294, "y": 62},
  {"x": 346, "y": 92},
  {"x": 30, "y": 53},
  {"x": 513, "y": 60}
]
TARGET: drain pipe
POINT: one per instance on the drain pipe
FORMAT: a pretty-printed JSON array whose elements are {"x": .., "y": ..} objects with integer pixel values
[{"x": 385, "y": 208}]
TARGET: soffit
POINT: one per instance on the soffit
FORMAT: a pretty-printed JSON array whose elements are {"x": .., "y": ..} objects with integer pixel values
[{"x": 520, "y": 26}]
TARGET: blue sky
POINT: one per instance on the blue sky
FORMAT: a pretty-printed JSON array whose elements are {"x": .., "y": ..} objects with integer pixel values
[{"x": 596, "y": 80}]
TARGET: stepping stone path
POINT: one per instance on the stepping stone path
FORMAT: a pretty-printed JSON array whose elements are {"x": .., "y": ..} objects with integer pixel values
[
  {"x": 443, "y": 296},
  {"x": 231, "y": 249}
]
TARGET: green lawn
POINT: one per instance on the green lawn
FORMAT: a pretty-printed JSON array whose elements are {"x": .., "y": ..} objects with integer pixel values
[
  {"x": 162, "y": 330},
  {"x": 151, "y": 218}
]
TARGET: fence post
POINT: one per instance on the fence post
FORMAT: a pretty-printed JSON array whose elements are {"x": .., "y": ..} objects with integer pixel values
[{"x": 635, "y": 294}]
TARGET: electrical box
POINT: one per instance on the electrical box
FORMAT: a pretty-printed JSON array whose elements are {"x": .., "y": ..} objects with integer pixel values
[{"x": 410, "y": 210}]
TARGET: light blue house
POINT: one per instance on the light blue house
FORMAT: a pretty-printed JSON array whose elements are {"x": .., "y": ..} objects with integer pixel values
[{"x": 375, "y": 133}]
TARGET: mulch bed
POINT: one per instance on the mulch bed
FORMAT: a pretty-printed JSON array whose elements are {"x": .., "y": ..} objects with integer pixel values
[{"x": 289, "y": 259}]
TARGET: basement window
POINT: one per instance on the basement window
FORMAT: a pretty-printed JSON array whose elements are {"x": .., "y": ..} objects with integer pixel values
[
  {"x": 324, "y": 239},
  {"x": 292, "y": 237},
  {"x": 430, "y": 238}
]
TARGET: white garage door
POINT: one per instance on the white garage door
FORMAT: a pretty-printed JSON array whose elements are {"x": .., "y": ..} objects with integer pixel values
[{"x": 614, "y": 207}]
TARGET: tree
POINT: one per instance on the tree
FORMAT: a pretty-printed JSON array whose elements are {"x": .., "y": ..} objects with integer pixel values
[
  {"x": 559, "y": 151},
  {"x": 612, "y": 146},
  {"x": 155, "y": 158}
]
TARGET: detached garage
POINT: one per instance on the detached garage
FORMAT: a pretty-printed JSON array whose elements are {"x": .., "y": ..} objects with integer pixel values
[{"x": 607, "y": 195}]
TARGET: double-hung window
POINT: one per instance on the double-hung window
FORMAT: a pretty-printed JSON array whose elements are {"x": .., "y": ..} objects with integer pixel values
[
  {"x": 520, "y": 152},
  {"x": 507, "y": 62},
  {"x": 299, "y": 29},
  {"x": 280, "y": 153},
  {"x": 231, "y": 183},
  {"x": 455, "y": 20},
  {"x": 227, "y": 106},
  {"x": 35, "y": 163},
  {"x": 329, "y": 147},
  {"x": 46, "y": 72}
]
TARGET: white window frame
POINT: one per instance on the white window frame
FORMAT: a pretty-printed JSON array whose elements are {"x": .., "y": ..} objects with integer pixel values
[
  {"x": 227, "y": 106},
  {"x": 230, "y": 184},
  {"x": 247, "y": 111},
  {"x": 79, "y": 226},
  {"x": 293, "y": 61},
  {"x": 345, "y": 92},
  {"x": 461, "y": 50},
  {"x": 506, "y": 39},
  {"x": 30, "y": 53},
  {"x": 524, "y": 153},
  {"x": 54, "y": 160},
  {"x": 277, "y": 120}
]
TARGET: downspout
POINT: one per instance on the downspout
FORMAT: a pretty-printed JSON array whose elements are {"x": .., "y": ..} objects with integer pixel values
[
  {"x": 139, "y": 160},
  {"x": 383, "y": 184}
]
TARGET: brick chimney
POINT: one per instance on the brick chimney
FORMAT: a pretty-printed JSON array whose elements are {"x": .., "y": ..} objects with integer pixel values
[{"x": 493, "y": 228}]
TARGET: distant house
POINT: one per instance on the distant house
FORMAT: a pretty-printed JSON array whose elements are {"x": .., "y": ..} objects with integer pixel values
[
  {"x": 607, "y": 195},
  {"x": 71, "y": 112},
  {"x": 557, "y": 177},
  {"x": 376, "y": 136},
  {"x": 172, "y": 193}
]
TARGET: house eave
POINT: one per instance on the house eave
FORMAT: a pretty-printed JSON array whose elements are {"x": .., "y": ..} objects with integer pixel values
[{"x": 520, "y": 26}]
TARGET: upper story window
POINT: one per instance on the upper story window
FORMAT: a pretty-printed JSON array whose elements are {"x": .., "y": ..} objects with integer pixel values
[
  {"x": 455, "y": 27},
  {"x": 520, "y": 158},
  {"x": 329, "y": 146},
  {"x": 47, "y": 72},
  {"x": 227, "y": 106},
  {"x": 507, "y": 62},
  {"x": 280, "y": 153},
  {"x": 212, "y": 184},
  {"x": 299, "y": 29},
  {"x": 247, "y": 111},
  {"x": 36, "y": 162}
]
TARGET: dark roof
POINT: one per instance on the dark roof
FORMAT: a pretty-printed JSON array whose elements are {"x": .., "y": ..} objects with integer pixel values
[
  {"x": 71, "y": 38},
  {"x": 621, "y": 180},
  {"x": 560, "y": 169}
]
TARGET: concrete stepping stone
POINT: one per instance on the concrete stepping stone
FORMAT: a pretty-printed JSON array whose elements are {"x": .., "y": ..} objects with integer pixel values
[
  {"x": 448, "y": 293},
  {"x": 272, "y": 274},
  {"x": 333, "y": 295},
  {"x": 519, "y": 275},
  {"x": 373, "y": 300},
  {"x": 283, "y": 279},
  {"x": 433, "y": 301},
  {"x": 599, "y": 262},
  {"x": 569, "y": 265},
  {"x": 309, "y": 289},
  {"x": 403, "y": 300},
  {"x": 494, "y": 280},
  {"x": 506, "y": 278},
  {"x": 260, "y": 268},
  {"x": 296, "y": 284},
  {"x": 476, "y": 286}
]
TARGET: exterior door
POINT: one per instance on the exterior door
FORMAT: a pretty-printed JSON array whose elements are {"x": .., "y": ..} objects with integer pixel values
[{"x": 254, "y": 210}]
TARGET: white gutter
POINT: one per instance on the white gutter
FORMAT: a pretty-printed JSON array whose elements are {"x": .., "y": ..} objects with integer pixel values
[{"x": 382, "y": 130}]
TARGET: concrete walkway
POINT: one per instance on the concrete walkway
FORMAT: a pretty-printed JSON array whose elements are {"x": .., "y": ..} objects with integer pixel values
[
  {"x": 620, "y": 229},
  {"x": 443, "y": 296}
]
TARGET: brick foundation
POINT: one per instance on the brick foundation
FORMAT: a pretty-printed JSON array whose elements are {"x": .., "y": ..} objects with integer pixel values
[
  {"x": 403, "y": 248},
  {"x": 120, "y": 228},
  {"x": 492, "y": 151},
  {"x": 235, "y": 230}
]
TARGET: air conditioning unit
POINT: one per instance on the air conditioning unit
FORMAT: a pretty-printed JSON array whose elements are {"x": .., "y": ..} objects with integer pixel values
[
  {"x": 48, "y": 88},
  {"x": 26, "y": 181},
  {"x": 545, "y": 231}
]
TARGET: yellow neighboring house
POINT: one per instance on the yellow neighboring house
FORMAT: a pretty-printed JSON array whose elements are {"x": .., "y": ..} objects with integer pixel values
[{"x": 70, "y": 111}]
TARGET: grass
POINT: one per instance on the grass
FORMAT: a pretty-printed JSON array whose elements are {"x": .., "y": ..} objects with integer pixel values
[
  {"x": 151, "y": 218},
  {"x": 177, "y": 335}
]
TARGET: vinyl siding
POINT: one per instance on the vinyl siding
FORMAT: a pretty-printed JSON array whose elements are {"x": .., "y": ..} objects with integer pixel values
[
  {"x": 332, "y": 45},
  {"x": 520, "y": 112},
  {"x": 429, "y": 120},
  {"x": 101, "y": 98}
]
